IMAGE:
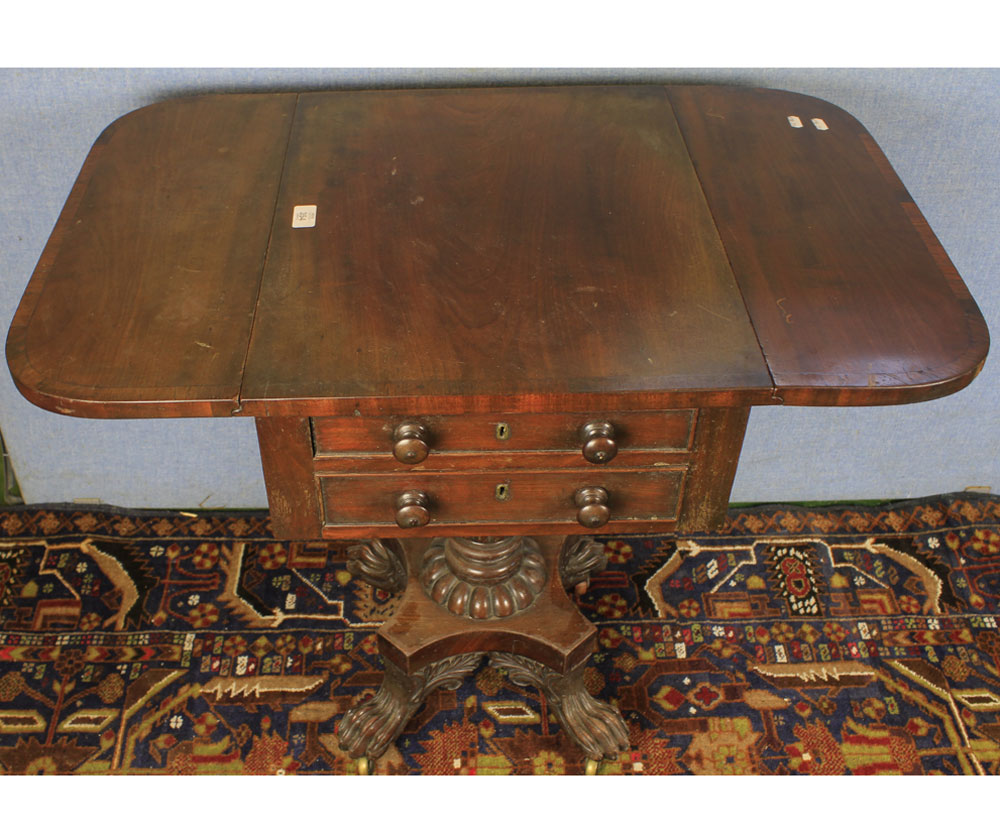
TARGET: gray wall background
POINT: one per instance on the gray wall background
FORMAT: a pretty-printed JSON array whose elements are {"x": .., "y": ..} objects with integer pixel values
[{"x": 940, "y": 129}]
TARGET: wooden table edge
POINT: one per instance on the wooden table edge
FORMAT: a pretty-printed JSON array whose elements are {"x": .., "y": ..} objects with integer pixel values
[
  {"x": 791, "y": 388},
  {"x": 218, "y": 402}
]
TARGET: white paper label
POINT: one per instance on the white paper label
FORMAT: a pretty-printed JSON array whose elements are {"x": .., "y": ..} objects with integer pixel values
[
  {"x": 819, "y": 124},
  {"x": 304, "y": 216},
  {"x": 795, "y": 121}
]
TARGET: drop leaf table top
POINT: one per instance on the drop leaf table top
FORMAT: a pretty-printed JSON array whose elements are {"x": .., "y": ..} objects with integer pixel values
[{"x": 512, "y": 249}]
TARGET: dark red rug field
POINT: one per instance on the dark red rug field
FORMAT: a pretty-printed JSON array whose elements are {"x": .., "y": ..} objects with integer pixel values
[{"x": 814, "y": 641}]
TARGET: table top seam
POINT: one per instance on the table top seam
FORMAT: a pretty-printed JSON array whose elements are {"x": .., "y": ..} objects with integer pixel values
[
  {"x": 722, "y": 242},
  {"x": 238, "y": 401}
]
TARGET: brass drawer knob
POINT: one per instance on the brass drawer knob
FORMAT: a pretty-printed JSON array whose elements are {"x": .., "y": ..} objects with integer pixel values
[
  {"x": 411, "y": 442},
  {"x": 598, "y": 438},
  {"x": 592, "y": 503},
  {"x": 412, "y": 509}
]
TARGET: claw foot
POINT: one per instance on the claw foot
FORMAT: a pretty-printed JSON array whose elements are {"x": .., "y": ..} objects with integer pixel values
[
  {"x": 595, "y": 727},
  {"x": 366, "y": 730}
]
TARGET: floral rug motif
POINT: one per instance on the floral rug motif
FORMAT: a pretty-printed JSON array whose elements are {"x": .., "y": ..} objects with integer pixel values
[{"x": 815, "y": 641}]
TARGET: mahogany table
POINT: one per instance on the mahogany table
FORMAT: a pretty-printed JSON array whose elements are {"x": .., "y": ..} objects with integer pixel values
[{"x": 499, "y": 319}]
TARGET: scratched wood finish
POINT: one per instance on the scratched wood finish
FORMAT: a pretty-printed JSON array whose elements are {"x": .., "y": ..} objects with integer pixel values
[
  {"x": 517, "y": 432},
  {"x": 712, "y": 468},
  {"x": 294, "y": 475},
  {"x": 462, "y": 235},
  {"x": 142, "y": 302},
  {"x": 365, "y": 464},
  {"x": 852, "y": 297},
  {"x": 391, "y": 407},
  {"x": 286, "y": 454},
  {"x": 470, "y": 498},
  {"x": 622, "y": 526},
  {"x": 520, "y": 243}
]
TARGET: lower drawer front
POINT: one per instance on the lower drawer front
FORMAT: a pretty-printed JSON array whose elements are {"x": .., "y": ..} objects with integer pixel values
[{"x": 498, "y": 498}]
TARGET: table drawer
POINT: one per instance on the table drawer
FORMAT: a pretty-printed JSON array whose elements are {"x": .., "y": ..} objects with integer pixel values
[
  {"x": 664, "y": 431},
  {"x": 459, "y": 502}
]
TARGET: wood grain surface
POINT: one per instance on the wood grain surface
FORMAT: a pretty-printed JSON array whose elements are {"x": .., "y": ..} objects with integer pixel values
[
  {"x": 853, "y": 299},
  {"x": 521, "y": 432},
  {"x": 469, "y": 498},
  {"x": 292, "y": 491},
  {"x": 712, "y": 468},
  {"x": 531, "y": 250},
  {"x": 494, "y": 242},
  {"x": 142, "y": 302}
]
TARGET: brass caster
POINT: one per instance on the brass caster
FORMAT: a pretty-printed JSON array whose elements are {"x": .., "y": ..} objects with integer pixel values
[
  {"x": 590, "y": 768},
  {"x": 366, "y": 766}
]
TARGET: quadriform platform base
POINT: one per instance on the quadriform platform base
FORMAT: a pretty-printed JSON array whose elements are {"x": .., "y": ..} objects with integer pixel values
[
  {"x": 474, "y": 325},
  {"x": 466, "y": 599}
]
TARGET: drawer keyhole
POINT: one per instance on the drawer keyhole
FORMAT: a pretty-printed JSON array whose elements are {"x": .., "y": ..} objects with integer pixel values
[
  {"x": 503, "y": 431},
  {"x": 502, "y": 491}
]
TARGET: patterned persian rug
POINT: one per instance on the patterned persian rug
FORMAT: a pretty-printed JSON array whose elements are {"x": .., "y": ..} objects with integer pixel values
[{"x": 813, "y": 641}]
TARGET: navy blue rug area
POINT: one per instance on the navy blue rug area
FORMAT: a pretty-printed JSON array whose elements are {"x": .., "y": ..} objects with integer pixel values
[{"x": 798, "y": 640}]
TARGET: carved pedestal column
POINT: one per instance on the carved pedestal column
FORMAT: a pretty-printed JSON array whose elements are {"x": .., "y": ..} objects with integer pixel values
[{"x": 465, "y": 598}]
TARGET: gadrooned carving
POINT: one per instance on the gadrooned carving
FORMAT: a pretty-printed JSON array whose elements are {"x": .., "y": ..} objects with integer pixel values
[{"x": 483, "y": 579}]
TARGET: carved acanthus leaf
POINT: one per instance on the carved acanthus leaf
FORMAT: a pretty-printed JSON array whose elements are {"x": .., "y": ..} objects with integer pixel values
[
  {"x": 369, "y": 728},
  {"x": 379, "y": 563},
  {"x": 581, "y": 558}
]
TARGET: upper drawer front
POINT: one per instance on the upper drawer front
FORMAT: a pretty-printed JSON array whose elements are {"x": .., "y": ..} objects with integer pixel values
[
  {"x": 634, "y": 430},
  {"x": 497, "y": 499}
]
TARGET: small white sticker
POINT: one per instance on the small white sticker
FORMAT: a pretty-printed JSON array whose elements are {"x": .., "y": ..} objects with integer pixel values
[
  {"x": 795, "y": 121},
  {"x": 304, "y": 216},
  {"x": 819, "y": 124}
]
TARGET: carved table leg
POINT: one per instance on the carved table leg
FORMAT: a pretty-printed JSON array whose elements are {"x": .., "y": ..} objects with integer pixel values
[
  {"x": 367, "y": 729},
  {"x": 465, "y": 598},
  {"x": 595, "y": 727}
]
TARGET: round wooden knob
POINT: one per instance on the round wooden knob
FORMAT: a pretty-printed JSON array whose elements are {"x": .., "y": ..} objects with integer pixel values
[
  {"x": 592, "y": 503},
  {"x": 411, "y": 442},
  {"x": 598, "y": 439},
  {"x": 412, "y": 509}
]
